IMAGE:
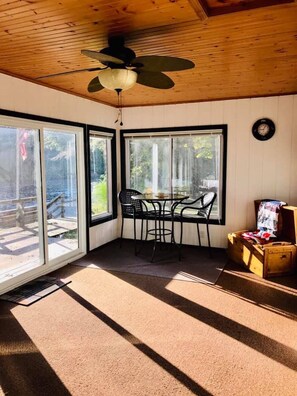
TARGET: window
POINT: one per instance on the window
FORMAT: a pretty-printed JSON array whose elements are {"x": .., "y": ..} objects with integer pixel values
[
  {"x": 101, "y": 175},
  {"x": 188, "y": 160}
]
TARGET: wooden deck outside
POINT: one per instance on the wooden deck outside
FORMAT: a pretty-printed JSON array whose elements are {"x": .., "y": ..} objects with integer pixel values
[{"x": 20, "y": 245}]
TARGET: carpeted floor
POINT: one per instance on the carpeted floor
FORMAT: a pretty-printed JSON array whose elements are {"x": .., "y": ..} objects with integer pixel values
[
  {"x": 115, "y": 333},
  {"x": 196, "y": 265}
]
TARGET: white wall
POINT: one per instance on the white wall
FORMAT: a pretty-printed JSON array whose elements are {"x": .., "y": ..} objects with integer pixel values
[
  {"x": 255, "y": 169},
  {"x": 26, "y": 97},
  {"x": 22, "y": 96}
]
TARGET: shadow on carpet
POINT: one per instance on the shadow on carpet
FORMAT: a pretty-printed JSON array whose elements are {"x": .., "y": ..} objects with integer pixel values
[
  {"x": 195, "y": 266},
  {"x": 33, "y": 291}
]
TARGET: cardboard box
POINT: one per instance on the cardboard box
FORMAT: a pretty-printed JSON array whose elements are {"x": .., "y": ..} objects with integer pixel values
[{"x": 272, "y": 259}]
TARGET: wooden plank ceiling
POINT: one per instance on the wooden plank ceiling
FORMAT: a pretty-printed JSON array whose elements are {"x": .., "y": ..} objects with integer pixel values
[{"x": 241, "y": 48}]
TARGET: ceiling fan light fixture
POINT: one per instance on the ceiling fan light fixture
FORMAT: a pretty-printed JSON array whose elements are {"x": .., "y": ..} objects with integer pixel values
[{"x": 117, "y": 79}]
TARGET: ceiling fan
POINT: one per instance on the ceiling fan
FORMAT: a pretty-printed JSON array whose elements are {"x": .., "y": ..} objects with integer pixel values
[{"x": 121, "y": 69}]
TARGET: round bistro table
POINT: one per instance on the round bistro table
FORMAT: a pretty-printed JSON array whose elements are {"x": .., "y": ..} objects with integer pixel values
[{"x": 161, "y": 213}]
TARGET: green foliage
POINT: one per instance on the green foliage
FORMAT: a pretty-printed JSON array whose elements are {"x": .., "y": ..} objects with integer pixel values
[
  {"x": 194, "y": 159},
  {"x": 71, "y": 234},
  {"x": 97, "y": 157},
  {"x": 99, "y": 197},
  {"x": 203, "y": 147},
  {"x": 54, "y": 141}
]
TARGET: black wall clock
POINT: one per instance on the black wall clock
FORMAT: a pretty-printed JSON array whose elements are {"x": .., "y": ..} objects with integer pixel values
[{"x": 263, "y": 129}]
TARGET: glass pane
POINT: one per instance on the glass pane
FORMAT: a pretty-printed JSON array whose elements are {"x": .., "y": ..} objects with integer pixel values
[
  {"x": 197, "y": 165},
  {"x": 61, "y": 192},
  {"x": 21, "y": 233},
  {"x": 99, "y": 175},
  {"x": 150, "y": 164}
]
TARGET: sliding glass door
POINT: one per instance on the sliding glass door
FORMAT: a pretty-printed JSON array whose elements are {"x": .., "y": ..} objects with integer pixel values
[
  {"x": 42, "y": 222},
  {"x": 21, "y": 223},
  {"x": 61, "y": 192}
]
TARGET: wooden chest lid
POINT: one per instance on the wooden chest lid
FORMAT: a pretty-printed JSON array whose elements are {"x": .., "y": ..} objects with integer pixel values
[{"x": 289, "y": 224}]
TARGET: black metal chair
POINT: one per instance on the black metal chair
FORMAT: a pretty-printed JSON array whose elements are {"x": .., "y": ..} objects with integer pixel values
[
  {"x": 132, "y": 208},
  {"x": 200, "y": 209}
]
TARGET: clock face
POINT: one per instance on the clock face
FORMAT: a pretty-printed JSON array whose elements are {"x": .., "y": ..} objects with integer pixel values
[{"x": 263, "y": 129}]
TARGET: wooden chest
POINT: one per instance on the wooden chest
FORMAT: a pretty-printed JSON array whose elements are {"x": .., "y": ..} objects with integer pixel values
[{"x": 272, "y": 259}]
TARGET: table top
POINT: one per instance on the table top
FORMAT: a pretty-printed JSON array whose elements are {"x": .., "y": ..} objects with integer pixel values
[{"x": 160, "y": 197}]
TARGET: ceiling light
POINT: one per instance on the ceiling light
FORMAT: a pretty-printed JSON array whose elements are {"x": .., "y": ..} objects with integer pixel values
[{"x": 117, "y": 79}]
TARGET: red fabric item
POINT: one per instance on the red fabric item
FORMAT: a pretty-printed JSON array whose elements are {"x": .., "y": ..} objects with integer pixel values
[{"x": 22, "y": 143}]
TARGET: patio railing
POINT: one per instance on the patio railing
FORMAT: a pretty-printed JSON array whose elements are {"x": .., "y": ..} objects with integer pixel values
[{"x": 23, "y": 214}]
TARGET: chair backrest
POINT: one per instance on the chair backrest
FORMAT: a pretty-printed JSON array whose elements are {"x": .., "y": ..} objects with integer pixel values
[
  {"x": 129, "y": 205},
  {"x": 207, "y": 201}
]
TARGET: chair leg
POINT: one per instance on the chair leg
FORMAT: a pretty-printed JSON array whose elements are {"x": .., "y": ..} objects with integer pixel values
[
  {"x": 180, "y": 240},
  {"x": 122, "y": 228},
  {"x": 144, "y": 231},
  {"x": 146, "y": 226},
  {"x": 141, "y": 236},
  {"x": 198, "y": 232},
  {"x": 141, "y": 232},
  {"x": 208, "y": 238},
  {"x": 172, "y": 230},
  {"x": 156, "y": 222},
  {"x": 135, "y": 240}
]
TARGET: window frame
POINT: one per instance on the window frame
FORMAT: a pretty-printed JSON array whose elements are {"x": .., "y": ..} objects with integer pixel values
[
  {"x": 155, "y": 132},
  {"x": 112, "y": 184}
]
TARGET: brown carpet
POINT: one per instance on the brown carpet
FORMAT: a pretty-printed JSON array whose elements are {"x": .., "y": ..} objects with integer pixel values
[
  {"x": 113, "y": 333},
  {"x": 196, "y": 265}
]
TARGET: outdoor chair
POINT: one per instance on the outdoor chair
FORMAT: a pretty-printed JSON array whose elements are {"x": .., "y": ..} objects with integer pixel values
[
  {"x": 132, "y": 208},
  {"x": 198, "y": 209}
]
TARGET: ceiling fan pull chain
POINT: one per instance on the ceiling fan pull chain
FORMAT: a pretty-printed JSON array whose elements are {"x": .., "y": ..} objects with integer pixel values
[
  {"x": 119, "y": 117},
  {"x": 121, "y": 108}
]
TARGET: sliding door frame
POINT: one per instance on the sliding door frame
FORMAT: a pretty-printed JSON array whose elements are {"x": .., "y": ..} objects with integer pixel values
[{"x": 23, "y": 120}]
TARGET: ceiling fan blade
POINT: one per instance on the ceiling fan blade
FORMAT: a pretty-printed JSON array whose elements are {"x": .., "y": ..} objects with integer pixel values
[
  {"x": 102, "y": 58},
  {"x": 94, "y": 85},
  {"x": 157, "y": 63},
  {"x": 72, "y": 72},
  {"x": 154, "y": 80}
]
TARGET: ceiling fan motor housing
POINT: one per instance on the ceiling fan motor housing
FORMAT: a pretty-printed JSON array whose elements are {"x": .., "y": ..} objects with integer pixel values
[{"x": 117, "y": 49}]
